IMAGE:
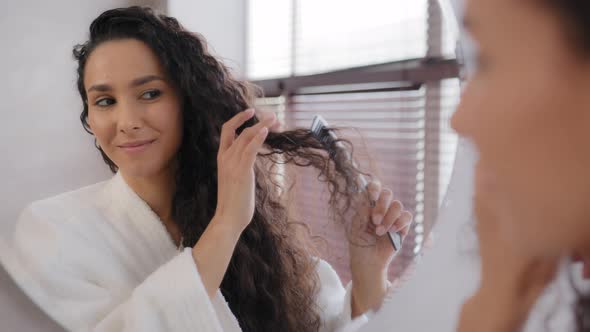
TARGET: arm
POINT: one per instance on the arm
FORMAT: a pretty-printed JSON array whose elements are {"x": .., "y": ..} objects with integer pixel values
[
  {"x": 44, "y": 259},
  {"x": 213, "y": 252},
  {"x": 371, "y": 251},
  {"x": 235, "y": 201}
]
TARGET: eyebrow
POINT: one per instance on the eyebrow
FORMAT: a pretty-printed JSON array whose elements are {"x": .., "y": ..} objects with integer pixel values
[{"x": 136, "y": 82}]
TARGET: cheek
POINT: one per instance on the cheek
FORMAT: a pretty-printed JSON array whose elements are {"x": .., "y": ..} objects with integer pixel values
[
  {"x": 103, "y": 128},
  {"x": 511, "y": 119},
  {"x": 524, "y": 135},
  {"x": 170, "y": 125}
]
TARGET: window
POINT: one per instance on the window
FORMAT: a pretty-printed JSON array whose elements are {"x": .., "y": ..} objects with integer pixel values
[
  {"x": 384, "y": 67},
  {"x": 336, "y": 34}
]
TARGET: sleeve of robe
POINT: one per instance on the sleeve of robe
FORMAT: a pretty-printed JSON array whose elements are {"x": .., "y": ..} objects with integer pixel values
[
  {"x": 335, "y": 302},
  {"x": 40, "y": 255}
]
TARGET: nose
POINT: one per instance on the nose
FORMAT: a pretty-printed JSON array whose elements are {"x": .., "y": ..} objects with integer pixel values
[
  {"x": 456, "y": 121},
  {"x": 460, "y": 119},
  {"x": 130, "y": 118}
]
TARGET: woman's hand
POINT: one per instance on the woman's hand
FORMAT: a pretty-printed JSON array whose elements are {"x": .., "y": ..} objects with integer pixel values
[
  {"x": 235, "y": 202},
  {"x": 511, "y": 279},
  {"x": 371, "y": 251},
  {"x": 235, "y": 163}
]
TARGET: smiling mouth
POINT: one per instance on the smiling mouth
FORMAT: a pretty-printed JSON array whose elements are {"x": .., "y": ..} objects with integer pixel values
[{"x": 136, "y": 146}]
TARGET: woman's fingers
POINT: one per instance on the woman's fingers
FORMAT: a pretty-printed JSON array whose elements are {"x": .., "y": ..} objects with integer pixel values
[
  {"x": 228, "y": 130},
  {"x": 391, "y": 215},
  {"x": 374, "y": 190},
  {"x": 249, "y": 134},
  {"x": 251, "y": 151},
  {"x": 381, "y": 206},
  {"x": 263, "y": 115},
  {"x": 402, "y": 224}
]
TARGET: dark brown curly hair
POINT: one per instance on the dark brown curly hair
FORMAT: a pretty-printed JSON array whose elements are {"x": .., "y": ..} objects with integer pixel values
[{"x": 271, "y": 283}]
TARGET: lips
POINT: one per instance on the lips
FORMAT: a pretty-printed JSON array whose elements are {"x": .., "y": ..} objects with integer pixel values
[
  {"x": 136, "y": 146},
  {"x": 136, "y": 143}
]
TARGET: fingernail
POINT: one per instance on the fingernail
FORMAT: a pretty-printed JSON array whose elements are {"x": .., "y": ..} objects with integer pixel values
[
  {"x": 263, "y": 131},
  {"x": 374, "y": 196},
  {"x": 380, "y": 230},
  {"x": 377, "y": 218}
]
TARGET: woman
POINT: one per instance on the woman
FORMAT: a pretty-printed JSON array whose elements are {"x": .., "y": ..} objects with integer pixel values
[
  {"x": 193, "y": 172},
  {"x": 527, "y": 110}
]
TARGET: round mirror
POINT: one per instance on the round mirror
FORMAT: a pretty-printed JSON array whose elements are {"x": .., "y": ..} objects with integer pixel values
[{"x": 384, "y": 72}]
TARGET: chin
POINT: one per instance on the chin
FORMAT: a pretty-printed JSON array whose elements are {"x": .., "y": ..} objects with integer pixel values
[{"x": 141, "y": 170}]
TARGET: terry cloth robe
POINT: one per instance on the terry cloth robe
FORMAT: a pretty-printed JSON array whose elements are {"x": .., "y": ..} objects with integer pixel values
[{"x": 99, "y": 259}]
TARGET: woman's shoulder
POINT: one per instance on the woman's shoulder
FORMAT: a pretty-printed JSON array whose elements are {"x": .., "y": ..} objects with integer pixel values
[
  {"x": 60, "y": 215},
  {"x": 65, "y": 205},
  {"x": 56, "y": 229}
]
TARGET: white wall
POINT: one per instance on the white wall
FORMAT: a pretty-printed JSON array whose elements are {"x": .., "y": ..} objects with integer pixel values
[
  {"x": 222, "y": 22},
  {"x": 43, "y": 148}
]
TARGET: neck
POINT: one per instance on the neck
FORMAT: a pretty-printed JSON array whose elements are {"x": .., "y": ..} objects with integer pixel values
[{"x": 156, "y": 190}]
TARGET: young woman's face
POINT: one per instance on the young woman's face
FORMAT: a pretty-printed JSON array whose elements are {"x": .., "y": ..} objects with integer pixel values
[
  {"x": 133, "y": 110},
  {"x": 527, "y": 109}
]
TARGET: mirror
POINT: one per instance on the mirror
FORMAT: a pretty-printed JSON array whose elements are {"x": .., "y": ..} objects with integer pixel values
[
  {"x": 384, "y": 72},
  {"x": 393, "y": 103}
]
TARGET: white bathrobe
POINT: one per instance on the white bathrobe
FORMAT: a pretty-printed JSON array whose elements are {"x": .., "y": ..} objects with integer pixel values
[{"x": 99, "y": 259}]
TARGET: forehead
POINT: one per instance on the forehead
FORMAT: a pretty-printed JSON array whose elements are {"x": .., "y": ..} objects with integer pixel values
[{"x": 121, "y": 60}]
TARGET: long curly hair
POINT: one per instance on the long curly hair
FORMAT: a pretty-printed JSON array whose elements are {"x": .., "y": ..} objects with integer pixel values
[{"x": 271, "y": 283}]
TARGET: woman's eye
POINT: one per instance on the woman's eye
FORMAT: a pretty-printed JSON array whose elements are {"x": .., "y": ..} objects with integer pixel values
[
  {"x": 152, "y": 94},
  {"x": 104, "y": 102}
]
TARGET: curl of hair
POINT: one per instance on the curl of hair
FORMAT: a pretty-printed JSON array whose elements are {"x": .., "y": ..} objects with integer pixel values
[
  {"x": 271, "y": 283},
  {"x": 576, "y": 18}
]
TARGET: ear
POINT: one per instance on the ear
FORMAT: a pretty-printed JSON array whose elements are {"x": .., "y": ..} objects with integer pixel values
[{"x": 90, "y": 124}]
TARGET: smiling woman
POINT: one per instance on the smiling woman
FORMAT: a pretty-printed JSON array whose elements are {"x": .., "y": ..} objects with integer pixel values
[
  {"x": 191, "y": 233},
  {"x": 133, "y": 109}
]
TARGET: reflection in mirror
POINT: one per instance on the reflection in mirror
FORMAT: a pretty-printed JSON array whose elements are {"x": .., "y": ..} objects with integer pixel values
[
  {"x": 393, "y": 103},
  {"x": 203, "y": 207}
]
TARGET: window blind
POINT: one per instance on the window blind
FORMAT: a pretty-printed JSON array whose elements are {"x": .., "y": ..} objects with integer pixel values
[
  {"x": 402, "y": 133},
  {"x": 391, "y": 142}
]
